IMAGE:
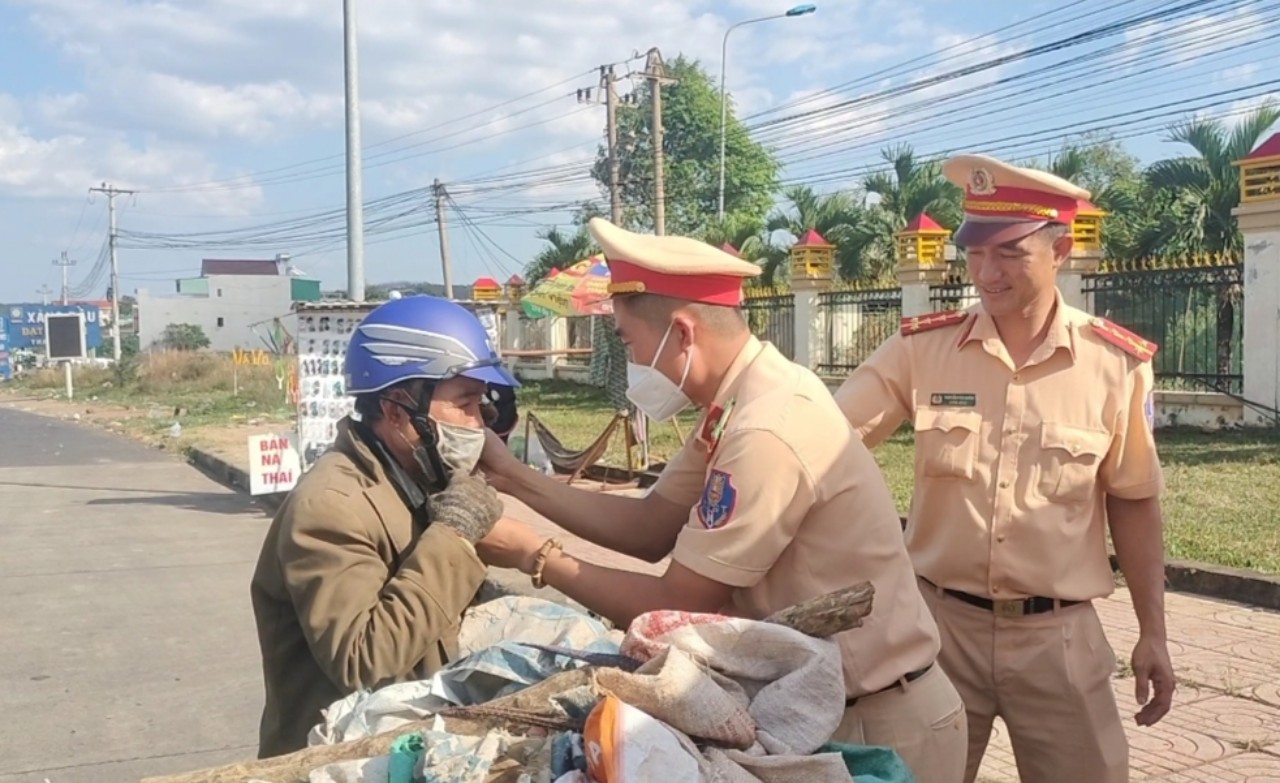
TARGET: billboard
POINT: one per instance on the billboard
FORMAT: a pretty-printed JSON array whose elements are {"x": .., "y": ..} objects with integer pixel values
[
  {"x": 26, "y": 324},
  {"x": 6, "y": 366}
]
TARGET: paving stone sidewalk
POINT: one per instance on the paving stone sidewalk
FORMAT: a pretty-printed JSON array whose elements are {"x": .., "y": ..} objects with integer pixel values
[{"x": 1225, "y": 722}]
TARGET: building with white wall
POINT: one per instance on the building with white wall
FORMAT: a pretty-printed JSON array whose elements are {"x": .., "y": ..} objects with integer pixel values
[{"x": 229, "y": 300}]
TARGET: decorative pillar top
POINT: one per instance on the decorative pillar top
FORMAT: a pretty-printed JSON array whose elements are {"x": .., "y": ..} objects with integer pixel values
[
  {"x": 923, "y": 243},
  {"x": 1260, "y": 172},
  {"x": 812, "y": 259},
  {"x": 486, "y": 289}
]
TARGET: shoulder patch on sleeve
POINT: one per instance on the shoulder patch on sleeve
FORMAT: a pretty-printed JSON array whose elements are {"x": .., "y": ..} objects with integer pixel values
[
  {"x": 916, "y": 324},
  {"x": 1125, "y": 340},
  {"x": 719, "y": 497}
]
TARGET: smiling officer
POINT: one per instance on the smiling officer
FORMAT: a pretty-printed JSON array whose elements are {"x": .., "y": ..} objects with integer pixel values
[{"x": 1033, "y": 431}]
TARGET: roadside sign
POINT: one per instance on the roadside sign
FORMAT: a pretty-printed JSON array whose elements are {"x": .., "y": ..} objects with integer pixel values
[
  {"x": 274, "y": 464},
  {"x": 27, "y": 324},
  {"x": 64, "y": 336}
]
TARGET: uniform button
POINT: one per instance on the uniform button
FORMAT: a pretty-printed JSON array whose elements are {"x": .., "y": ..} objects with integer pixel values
[
  {"x": 995, "y": 590},
  {"x": 1000, "y": 538},
  {"x": 1004, "y": 485}
]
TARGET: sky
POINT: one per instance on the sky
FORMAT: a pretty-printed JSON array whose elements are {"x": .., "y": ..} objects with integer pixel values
[{"x": 226, "y": 116}]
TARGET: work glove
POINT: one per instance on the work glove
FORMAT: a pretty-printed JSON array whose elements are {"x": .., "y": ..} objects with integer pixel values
[{"x": 468, "y": 506}]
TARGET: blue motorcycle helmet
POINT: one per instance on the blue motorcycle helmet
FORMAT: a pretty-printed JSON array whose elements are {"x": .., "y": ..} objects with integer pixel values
[{"x": 427, "y": 338}]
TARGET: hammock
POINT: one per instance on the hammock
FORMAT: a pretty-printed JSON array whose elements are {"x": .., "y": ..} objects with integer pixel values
[{"x": 566, "y": 460}]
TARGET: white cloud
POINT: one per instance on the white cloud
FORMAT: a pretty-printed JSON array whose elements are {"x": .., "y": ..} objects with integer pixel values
[{"x": 63, "y": 165}]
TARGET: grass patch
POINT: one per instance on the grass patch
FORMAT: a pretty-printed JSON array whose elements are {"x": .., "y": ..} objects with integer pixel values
[
  {"x": 1221, "y": 503},
  {"x": 198, "y": 388}
]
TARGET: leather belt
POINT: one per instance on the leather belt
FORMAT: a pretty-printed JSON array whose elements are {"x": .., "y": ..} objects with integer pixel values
[
  {"x": 1014, "y": 608},
  {"x": 904, "y": 679}
]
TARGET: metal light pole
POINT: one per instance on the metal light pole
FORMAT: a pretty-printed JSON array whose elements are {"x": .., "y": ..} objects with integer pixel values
[
  {"x": 799, "y": 10},
  {"x": 355, "y": 207}
]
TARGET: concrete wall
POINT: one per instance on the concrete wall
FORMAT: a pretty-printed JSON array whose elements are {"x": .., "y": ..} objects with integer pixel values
[{"x": 226, "y": 314}]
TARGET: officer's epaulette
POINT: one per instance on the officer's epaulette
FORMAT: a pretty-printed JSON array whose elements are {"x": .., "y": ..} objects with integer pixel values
[
  {"x": 1124, "y": 339},
  {"x": 916, "y": 324}
]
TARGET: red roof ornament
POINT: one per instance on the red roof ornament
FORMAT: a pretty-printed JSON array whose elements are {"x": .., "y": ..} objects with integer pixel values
[
  {"x": 485, "y": 282},
  {"x": 1267, "y": 149},
  {"x": 923, "y": 222},
  {"x": 812, "y": 238},
  {"x": 731, "y": 250},
  {"x": 516, "y": 280}
]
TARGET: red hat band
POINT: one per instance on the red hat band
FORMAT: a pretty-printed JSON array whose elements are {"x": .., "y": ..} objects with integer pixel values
[
  {"x": 627, "y": 278},
  {"x": 1021, "y": 204}
]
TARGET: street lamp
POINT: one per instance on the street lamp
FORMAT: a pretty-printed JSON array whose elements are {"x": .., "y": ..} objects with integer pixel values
[{"x": 799, "y": 10}]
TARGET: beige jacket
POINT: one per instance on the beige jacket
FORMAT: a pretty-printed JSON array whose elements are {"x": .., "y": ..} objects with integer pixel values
[{"x": 350, "y": 593}]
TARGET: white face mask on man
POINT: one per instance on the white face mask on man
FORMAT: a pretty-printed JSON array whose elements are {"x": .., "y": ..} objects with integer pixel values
[
  {"x": 459, "y": 447},
  {"x": 655, "y": 393}
]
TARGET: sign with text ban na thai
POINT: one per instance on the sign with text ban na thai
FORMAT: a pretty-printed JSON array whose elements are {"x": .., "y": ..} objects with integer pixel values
[{"x": 274, "y": 464}]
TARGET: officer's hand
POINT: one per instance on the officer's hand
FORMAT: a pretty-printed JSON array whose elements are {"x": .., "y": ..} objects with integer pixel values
[
  {"x": 510, "y": 544},
  {"x": 498, "y": 463},
  {"x": 468, "y": 506},
  {"x": 1152, "y": 671}
]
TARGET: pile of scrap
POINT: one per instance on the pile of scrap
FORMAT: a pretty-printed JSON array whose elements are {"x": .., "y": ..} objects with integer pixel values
[{"x": 683, "y": 697}]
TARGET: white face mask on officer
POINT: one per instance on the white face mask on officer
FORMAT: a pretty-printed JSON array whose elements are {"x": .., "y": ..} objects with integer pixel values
[
  {"x": 655, "y": 393},
  {"x": 459, "y": 447}
]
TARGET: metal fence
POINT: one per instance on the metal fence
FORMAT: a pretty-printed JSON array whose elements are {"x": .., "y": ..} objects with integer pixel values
[
  {"x": 954, "y": 294},
  {"x": 1193, "y": 310},
  {"x": 772, "y": 317},
  {"x": 856, "y": 322}
]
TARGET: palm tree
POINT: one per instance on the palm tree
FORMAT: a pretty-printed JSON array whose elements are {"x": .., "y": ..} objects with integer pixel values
[
  {"x": 911, "y": 187},
  {"x": 1196, "y": 193},
  {"x": 1122, "y": 198},
  {"x": 1192, "y": 198},
  {"x": 565, "y": 249},
  {"x": 744, "y": 232},
  {"x": 836, "y": 216}
]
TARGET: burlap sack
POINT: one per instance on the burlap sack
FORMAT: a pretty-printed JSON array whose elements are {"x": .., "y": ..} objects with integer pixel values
[
  {"x": 795, "y": 682},
  {"x": 686, "y": 696}
]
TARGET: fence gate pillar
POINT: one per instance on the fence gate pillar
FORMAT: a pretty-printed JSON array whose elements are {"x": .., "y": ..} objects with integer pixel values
[
  {"x": 810, "y": 322},
  {"x": 1258, "y": 217},
  {"x": 916, "y": 282},
  {"x": 1086, "y": 256},
  {"x": 557, "y": 341},
  {"x": 513, "y": 333}
]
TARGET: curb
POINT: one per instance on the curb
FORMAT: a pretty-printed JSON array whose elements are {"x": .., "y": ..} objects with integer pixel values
[
  {"x": 1185, "y": 576},
  {"x": 500, "y": 582}
]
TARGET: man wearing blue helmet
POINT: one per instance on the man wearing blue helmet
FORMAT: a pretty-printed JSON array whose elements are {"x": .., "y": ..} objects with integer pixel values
[{"x": 372, "y": 559}]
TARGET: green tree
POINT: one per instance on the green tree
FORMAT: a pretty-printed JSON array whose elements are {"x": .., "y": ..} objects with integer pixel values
[
  {"x": 691, "y": 156},
  {"x": 1192, "y": 196},
  {"x": 745, "y": 232},
  {"x": 184, "y": 337},
  {"x": 563, "y": 249},
  {"x": 1101, "y": 165},
  {"x": 909, "y": 188},
  {"x": 836, "y": 216}
]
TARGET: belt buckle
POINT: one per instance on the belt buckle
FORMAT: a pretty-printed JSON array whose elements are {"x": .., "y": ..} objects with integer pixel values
[{"x": 1009, "y": 608}]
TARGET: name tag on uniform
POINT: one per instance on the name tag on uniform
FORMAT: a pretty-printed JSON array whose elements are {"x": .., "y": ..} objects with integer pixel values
[{"x": 953, "y": 400}]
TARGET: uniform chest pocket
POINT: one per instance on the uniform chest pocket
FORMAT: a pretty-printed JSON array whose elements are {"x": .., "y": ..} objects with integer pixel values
[
  {"x": 1069, "y": 461},
  {"x": 947, "y": 442}
]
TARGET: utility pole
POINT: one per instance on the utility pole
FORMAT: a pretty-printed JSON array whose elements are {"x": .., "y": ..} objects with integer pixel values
[
  {"x": 656, "y": 74},
  {"x": 111, "y": 193},
  {"x": 44, "y": 292},
  {"x": 355, "y": 206},
  {"x": 609, "y": 85},
  {"x": 446, "y": 267},
  {"x": 66, "y": 264}
]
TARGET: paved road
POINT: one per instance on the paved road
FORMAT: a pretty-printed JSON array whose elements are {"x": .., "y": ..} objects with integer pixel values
[{"x": 127, "y": 646}]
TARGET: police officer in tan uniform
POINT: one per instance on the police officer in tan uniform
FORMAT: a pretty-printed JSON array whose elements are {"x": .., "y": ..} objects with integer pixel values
[
  {"x": 774, "y": 501},
  {"x": 1033, "y": 430}
]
